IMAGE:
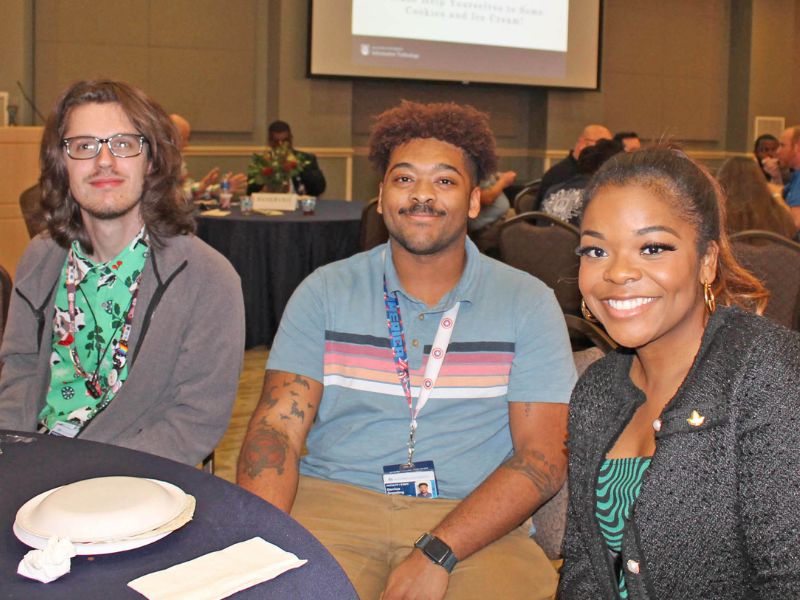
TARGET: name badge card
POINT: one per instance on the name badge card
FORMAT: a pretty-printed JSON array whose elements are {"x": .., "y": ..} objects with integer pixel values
[
  {"x": 65, "y": 429},
  {"x": 418, "y": 479}
]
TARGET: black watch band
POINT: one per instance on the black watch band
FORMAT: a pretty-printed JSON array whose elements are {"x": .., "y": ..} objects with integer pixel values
[{"x": 436, "y": 550}]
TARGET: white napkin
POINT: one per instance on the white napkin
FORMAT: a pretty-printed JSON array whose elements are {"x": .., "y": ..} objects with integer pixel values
[
  {"x": 218, "y": 574},
  {"x": 49, "y": 564}
]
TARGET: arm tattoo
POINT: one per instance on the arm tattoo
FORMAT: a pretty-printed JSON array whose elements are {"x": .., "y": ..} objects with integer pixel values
[
  {"x": 298, "y": 379},
  {"x": 269, "y": 398},
  {"x": 297, "y": 412},
  {"x": 535, "y": 466},
  {"x": 265, "y": 448}
]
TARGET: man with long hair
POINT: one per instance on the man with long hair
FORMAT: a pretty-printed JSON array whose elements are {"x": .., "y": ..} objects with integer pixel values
[{"x": 120, "y": 314}]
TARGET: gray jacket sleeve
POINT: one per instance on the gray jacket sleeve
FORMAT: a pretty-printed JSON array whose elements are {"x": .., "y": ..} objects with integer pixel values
[
  {"x": 577, "y": 577},
  {"x": 20, "y": 356},
  {"x": 204, "y": 378},
  {"x": 769, "y": 466}
]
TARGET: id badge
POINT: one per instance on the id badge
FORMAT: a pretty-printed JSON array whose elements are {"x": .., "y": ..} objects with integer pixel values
[
  {"x": 417, "y": 480},
  {"x": 65, "y": 429}
]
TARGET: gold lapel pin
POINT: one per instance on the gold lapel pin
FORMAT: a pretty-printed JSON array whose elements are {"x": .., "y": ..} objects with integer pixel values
[{"x": 696, "y": 419}]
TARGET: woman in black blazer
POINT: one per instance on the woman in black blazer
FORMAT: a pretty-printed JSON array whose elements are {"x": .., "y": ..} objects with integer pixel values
[{"x": 684, "y": 467}]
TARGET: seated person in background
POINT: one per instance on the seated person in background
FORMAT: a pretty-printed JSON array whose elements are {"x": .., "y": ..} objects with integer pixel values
[
  {"x": 194, "y": 189},
  {"x": 484, "y": 229},
  {"x": 765, "y": 150},
  {"x": 565, "y": 200},
  {"x": 491, "y": 434},
  {"x": 30, "y": 204},
  {"x": 749, "y": 202},
  {"x": 120, "y": 316},
  {"x": 567, "y": 168},
  {"x": 311, "y": 180},
  {"x": 789, "y": 158},
  {"x": 629, "y": 139},
  {"x": 683, "y": 464}
]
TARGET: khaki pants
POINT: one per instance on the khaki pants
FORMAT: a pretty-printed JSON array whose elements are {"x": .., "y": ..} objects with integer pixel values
[{"x": 371, "y": 533}]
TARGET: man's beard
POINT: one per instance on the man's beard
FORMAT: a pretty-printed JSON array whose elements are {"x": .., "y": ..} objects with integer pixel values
[
  {"x": 427, "y": 247},
  {"x": 110, "y": 213}
]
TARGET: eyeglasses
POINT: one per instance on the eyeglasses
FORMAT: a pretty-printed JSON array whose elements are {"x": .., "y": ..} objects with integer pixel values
[{"x": 121, "y": 145}]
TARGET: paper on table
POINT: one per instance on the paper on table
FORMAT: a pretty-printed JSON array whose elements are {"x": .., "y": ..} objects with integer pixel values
[
  {"x": 49, "y": 564},
  {"x": 215, "y": 212},
  {"x": 269, "y": 213},
  {"x": 218, "y": 574}
]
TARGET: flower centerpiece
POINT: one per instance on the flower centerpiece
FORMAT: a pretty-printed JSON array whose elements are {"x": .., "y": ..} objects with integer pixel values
[{"x": 274, "y": 170}]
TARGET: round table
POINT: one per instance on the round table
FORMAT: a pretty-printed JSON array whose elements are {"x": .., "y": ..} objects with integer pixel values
[
  {"x": 225, "y": 514},
  {"x": 273, "y": 254}
]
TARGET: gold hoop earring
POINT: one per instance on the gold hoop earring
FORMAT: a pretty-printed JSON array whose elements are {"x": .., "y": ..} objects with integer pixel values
[
  {"x": 587, "y": 314},
  {"x": 708, "y": 296}
]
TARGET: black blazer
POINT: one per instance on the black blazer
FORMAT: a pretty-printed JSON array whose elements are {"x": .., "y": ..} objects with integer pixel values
[
  {"x": 310, "y": 181},
  {"x": 718, "y": 515}
]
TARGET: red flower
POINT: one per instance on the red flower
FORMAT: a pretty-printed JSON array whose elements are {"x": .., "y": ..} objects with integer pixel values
[
  {"x": 289, "y": 165},
  {"x": 266, "y": 171}
]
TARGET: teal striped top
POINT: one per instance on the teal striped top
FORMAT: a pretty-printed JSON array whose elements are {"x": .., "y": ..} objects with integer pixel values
[{"x": 617, "y": 488}]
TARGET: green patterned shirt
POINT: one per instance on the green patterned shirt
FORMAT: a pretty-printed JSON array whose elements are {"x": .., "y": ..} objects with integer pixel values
[
  {"x": 103, "y": 297},
  {"x": 618, "y": 486}
]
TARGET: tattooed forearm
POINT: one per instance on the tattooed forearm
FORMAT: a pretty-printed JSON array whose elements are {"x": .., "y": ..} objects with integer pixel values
[
  {"x": 265, "y": 448},
  {"x": 535, "y": 466},
  {"x": 299, "y": 380},
  {"x": 269, "y": 397},
  {"x": 301, "y": 414}
]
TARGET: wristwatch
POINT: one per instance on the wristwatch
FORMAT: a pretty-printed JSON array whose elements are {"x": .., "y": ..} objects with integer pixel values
[{"x": 437, "y": 551}]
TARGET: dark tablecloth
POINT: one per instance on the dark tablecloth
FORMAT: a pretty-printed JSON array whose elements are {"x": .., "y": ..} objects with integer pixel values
[
  {"x": 225, "y": 514},
  {"x": 274, "y": 254}
]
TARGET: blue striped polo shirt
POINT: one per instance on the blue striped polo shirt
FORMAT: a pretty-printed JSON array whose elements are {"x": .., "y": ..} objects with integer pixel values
[{"x": 509, "y": 344}]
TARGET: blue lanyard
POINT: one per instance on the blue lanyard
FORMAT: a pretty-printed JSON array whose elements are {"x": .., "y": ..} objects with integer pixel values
[{"x": 398, "y": 344}]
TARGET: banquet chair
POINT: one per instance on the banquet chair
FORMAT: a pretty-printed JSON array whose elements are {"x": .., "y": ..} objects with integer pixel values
[
  {"x": 373, "y": 230},
  {"x": 30, "y": 205},
  {"x": 208, "y": 464},
  {"x": 546, "y": 252},
  {"x": 5, "y": 297},
  {"x": 525, "y": 199},
  {"x": 775, "y": 260},
  {"x": 549, "y": 522},
  {"x": 584, "y": 335}
]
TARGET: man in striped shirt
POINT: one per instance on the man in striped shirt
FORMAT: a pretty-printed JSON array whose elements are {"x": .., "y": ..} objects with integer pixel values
[{"x": 419, "y": 351}]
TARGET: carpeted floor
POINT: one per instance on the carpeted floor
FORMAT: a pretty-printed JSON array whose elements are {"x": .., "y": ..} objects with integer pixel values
[{"x": 250, "y": 382}]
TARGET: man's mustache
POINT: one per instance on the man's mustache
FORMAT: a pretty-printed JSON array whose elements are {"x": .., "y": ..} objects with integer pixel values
[{"x": 422, "y": 209}]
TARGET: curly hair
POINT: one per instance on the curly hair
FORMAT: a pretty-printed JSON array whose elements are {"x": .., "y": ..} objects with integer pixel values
[
  {"x": 688, "y": 186},
  {"x": 162, "y": 208},
  {"x": 460, "y": 125}
]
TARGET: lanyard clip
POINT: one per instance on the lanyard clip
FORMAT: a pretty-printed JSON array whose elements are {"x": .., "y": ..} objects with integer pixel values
[{"x": 412, "y": 436}]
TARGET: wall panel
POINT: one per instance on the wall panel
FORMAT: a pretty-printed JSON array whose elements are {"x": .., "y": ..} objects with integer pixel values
[{"x": 194, "y": 56}]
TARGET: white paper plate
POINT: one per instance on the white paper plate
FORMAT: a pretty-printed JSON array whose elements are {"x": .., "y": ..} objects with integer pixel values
[
  {"x": 101, "y": 510},
  {"x": 40, "y": 543}
]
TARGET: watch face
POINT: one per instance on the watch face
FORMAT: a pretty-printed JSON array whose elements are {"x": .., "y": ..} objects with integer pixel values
[{"x": 436, "y": 549}]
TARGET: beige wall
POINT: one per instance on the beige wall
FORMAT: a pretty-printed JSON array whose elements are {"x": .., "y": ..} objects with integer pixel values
[
  {"x": 694, "y": 71},
  {"x": 775, "y": 61},
  {"x": 197, "y": 57},
  {"x": 19, "y": 154},
  {"x": 16, "y": 28}
]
